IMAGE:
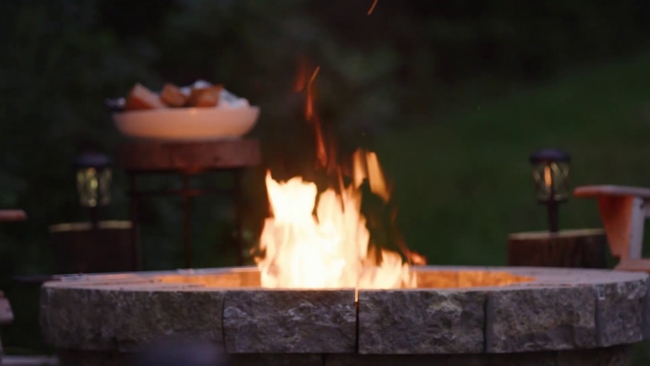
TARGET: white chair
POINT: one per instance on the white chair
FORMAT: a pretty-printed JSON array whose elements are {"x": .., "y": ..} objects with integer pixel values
[{"x": 623, "y": 211}]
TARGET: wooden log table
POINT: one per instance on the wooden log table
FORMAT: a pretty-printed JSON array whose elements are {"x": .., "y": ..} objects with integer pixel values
[
  {"x": 140, "y": 158},
  {"x": 585, "y": 248},
  {"x": 12, "y": 215}
]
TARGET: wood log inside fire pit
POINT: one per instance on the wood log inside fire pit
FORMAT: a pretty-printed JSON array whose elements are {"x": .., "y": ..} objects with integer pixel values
[{"x": 570, "y": 248}]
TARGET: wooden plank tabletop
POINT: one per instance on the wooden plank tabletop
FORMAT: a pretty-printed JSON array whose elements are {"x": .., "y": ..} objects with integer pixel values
[
  {"x": 12, "y": 215},
  {"x": 146, "y": 156}
]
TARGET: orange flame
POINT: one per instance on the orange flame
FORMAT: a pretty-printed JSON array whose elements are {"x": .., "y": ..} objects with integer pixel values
[
  {"x": 327, "y": 250},
  {"x": 309, "y": 105},
  {"x": 372, "y": 8},
  {"x": 321, "y": 240},
  {"x": 310, "y": 116},
  {"x": 301, "y": 76},
  {"x": 548, "y": 178}
]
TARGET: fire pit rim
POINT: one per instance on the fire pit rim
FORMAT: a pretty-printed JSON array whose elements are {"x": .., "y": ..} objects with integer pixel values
[
  {"x": 562, "y": 309},
  {"x": 530, "y": 277}
]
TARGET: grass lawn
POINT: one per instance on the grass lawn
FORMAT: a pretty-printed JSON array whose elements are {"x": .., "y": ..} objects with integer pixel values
[{"x": 463, "y": 183}]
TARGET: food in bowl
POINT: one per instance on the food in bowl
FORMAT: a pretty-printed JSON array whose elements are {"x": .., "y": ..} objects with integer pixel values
[
  {"x": 202, "y": 111},
  {"x": 201, "y": 94}
]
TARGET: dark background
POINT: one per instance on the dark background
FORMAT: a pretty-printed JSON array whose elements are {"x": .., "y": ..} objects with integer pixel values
[{"x": 453, "y": 95}]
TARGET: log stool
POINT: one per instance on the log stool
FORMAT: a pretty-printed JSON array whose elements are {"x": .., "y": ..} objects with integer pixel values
[{"x": 585, "y": 248}]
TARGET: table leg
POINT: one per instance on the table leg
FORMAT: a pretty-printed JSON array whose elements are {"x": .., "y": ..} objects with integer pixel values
[
  {"x": 187, "y": 224},
  {"x": 238, "y": 216},
  {"x": 135, "y": 228}
]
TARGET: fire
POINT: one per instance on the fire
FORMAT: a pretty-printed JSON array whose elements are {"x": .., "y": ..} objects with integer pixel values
[
  {"x": 372, "y": 8},
  {"x": 321, "y": 240},
  {"x": 329, "y": 249}
]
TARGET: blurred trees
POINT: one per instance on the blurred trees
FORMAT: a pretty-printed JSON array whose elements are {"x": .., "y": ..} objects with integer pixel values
[
  {"x": 405, "y": 64},
  {"x": 56, "y": 67}
]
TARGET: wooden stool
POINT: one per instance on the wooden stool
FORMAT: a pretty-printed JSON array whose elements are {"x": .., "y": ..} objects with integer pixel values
[
  {"x": 586, "y": 248},
  {"x": 623, "y": 211}
]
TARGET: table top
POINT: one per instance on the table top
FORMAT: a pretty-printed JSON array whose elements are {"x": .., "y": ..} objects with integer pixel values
[
  {"x": 611, "y": 190},
  {"x": 154, "y": 156},
  {"x": 12, "y": 215}
]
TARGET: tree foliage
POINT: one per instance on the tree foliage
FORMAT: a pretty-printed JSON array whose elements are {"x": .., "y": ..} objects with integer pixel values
[{"x": 400, "y": 66}]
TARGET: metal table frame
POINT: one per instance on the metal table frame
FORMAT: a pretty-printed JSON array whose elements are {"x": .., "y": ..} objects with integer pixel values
[
  {"x": 186, "y": 192},
  {"x": 187, "y": 159}
]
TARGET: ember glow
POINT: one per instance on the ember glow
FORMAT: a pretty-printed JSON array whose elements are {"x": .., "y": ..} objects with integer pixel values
[
  {"x": 372, "y": 8},
  {"x": 320, "y": 240}
]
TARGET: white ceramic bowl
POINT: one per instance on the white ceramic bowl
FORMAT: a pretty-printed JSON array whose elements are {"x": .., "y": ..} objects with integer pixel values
[{"x": 187, "y": 124}]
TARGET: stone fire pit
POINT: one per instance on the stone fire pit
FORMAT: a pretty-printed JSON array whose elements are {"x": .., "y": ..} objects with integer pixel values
[{"x": 457, "y": 316}]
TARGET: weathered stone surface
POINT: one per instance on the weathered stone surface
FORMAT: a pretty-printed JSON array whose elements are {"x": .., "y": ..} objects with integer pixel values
[
  {"x": 421, "y": 321},
  {"x": 619, "y": 312},
  {"x": 645, "y": 326},
  {"x": 143, "y": 316},
  {"x": 560, "y": 309},
  {"x": 119, "y": 319},
  {"x": 260, "y": 359},
  {"x": 285, "y": 321},
  {"x": 612, "y": 356},
  {"x": 77, "y": 318},
  {"x": 536, "y": 319}
]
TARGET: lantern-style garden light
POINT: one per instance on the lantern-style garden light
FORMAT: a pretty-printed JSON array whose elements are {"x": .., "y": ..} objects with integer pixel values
[
  {"x": 100, "y": 246},
  {"x": 93, "y": 171},
  {"x": 551, "y": 172}
]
